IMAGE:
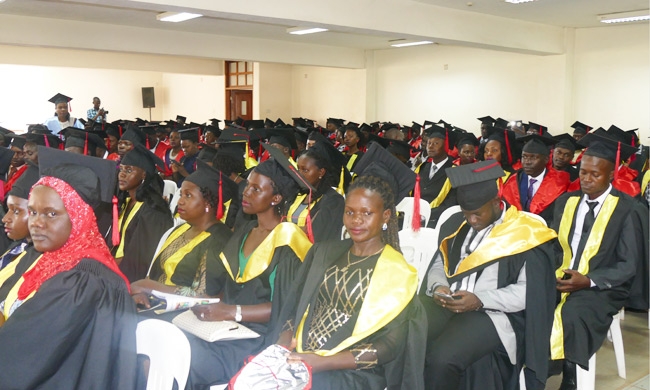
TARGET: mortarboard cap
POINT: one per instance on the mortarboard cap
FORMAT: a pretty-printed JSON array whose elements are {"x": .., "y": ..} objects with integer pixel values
[
  {"x": 475, "y": 183},
  {"x": 143, "y": 158},
  {"x": 219, "y": 184},
  {"x": 207, "y": 153},
  {"x": 284, "y": 137},
  {"x": 467, "y": 139},
  {"x": 501, "y": 123},
  {"x": 25, "y": 182},
  {"x": 112, "y": 131},
  {"x": 539, "y": 129},
  {"x": 336, "y": 122},
  {"x": 536, "y": 144},
  {"x": 567, "y": 141},
  {"x": 134, "y": 135},
  {"x": 253, "y": 124},
  {"x": 580, "y": 128},
  {"x": 17, "y": 141},
  {"x": 87, "y": 141},
  {"x": 38, "y": 129},
  {"x": 180, "y": 118},
  {"x": 605, "y": 148},
  {"x": 400, "y": 148},
  {"x": 280, "y": 123},
  {"x": 617, "y": 133},
  {"x": 380, "y": 163},
  {"x": 233, "y": 150},
  {"x": 48, "y": 140},
  {"x": 508, "y": 139},
  {"x": 486, "y": 119},
  {"x": 325, "y": 149},
  {"x": 59, "y": 98},
  {"x": 268, "y": 123},
  {"x": 286, "y": 166},
  {"x": 214, "y": 130},
  {"x": 93, "y": 178},
  {"x": 631, "y": 137},
  {"x": 4, "y": 131},
  {"x": 6, "y": 155},
  {"x": 191, "y": 134}
]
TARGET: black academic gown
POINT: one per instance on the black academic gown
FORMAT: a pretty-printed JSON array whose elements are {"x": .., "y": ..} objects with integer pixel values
[
  {"x": 586, "y": 315},
  {"x": 430, "y": 188},
  {"x": 141, "y": 239},
  {"x": 217, "y": 362},
  {"x": 76, "y": 332},
  {"x": 403, "y": 372},
  {"x": 572, "y": 171},
  {"x": 327, "y": 216}
]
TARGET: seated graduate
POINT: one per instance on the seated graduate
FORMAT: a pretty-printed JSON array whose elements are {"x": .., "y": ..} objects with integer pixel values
[
  {"x": 175, "y": 152},
  {"x": 536, "y": 186},
  {"x": 467, "y": 144},
  {"x": 144, "y": 215},
  {"x": 230, "y": 160},
  {"x": 62, "y": 117},
  {"x": 603, "y": 238},
  {"x": 256, "y": 271},
  {"x": 130, "y": 137},
  {"x": 321, "y": 166},
  {"x": 17, "y": 165},
  {"x": 356, "y": 322},
  {"x": 180, "y": 260},
  {"x": 563, "y": 152},
  {"x": 15, "y": 221},
  {"x": 68, "y": 320},
  {"x": 489, "y": 293},
  {"x": 354, "y": 140},
  {"x": 187, "y": 165},
  {"x": 501, "y": 146}
]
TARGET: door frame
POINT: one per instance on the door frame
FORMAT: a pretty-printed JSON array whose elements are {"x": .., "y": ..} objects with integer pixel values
[{"x": 229, "y": 97}]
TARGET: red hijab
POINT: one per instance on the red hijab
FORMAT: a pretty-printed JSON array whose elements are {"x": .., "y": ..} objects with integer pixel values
[{"x": 84, "y": 242}]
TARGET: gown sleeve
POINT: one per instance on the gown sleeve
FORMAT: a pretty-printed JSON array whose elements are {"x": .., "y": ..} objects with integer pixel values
[
  {"x": 77, "y": 331},
  {"x": 328, "y": 222}
]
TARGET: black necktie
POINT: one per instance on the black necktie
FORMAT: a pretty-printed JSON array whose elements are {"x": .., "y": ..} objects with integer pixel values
[{"x": 590, "y": 218}]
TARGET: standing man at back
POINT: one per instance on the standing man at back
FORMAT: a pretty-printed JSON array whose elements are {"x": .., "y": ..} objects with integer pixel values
[{"x": 96, "y": 114}]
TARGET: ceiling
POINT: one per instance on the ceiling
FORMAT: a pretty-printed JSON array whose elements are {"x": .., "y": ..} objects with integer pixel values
[{"x": 564, "y": 13}]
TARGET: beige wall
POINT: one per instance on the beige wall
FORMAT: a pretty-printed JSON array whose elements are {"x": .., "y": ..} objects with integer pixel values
[
  {"x": 273, "y": 92},
  {"x": 197, "y": 97}
]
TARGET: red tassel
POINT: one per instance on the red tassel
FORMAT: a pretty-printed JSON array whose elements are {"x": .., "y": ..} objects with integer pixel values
[
  {"x": 415, "y": 223},
  {"x": 120, "y": 127},
  {"x": 116, "y": 228},
  {"x": 220, "y": 207},
  {"x": 618, "y": 161},
  {"x": 500, "y": 193},
  {"x": 540, "y": 130},
  {"x": 446, "y": 142},
  {"x": 199, "y": 136},
  {"x": 69, "y": 105},
  {"x": 47, "y": 143},
  {"x": 86, "y": 145},
  {"x": 61, "y": 143},
  {"x": 148, "y": 141},
  {"x": 108, "y": 145},
  {"x": 508, "y": 147}
]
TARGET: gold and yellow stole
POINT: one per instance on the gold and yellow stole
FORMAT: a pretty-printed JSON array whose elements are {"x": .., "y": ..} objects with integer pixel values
[
  {"x": 170, "y": 264},
  {"x": 129, "y": 217}
]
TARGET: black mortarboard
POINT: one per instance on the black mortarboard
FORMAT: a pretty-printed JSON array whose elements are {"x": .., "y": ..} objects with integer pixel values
[
  {"x": 366, "y": 127},
  {"x": 580, "y": 128},
  {"x": 617, "y": 134},
  {"x": 631, "y": 137},
  {"x": 459, "y": 130},
  {"x": 206, "y": 153},
  {"x": 112, "y": 130},
  {"x": 214, "y": 130},
  {"x": 317, "y": 136},
  {"x": 501, "y": 123},
  {"x": 87, "y": 141},
  {"x": 416, "y": 126},
  {"x": 486, "y": 119},
  {"x": 358, "y": 132},
  {"x": 4, "y": 131},
  {"x": 536, "y": 144},
  {"x": 282, "y": 160},
  {"x": 448, "y": 135},
  {"x": 254, "y": 124},
  {"x": 219, "y": 184},
  {"x": 236, "y": 151},
  {"x": 336, "y": 122},
  {"x": 509, "y": 141},
  {"x": 329, "y": 153},
  {"x": 280, "y": 123},
  {"x": 384, "y": 142},
  {"x": 59, "y": 98},
  {"x": 400, "y": 148},
  {"x": 240, "y": 121},
  {"x": 23, "y": 185},
  {"x": 539, "y": 129},
  {"x": 606, "y": 148},
  {"x": 284, "y": 137},
  {"x": 378, "y": 162},
  {"x": 190, "y": 134},
  {"x": 142, "y": 157},
  {"x": 48, "y": 140},
  {"x": 17, "y": 141},
  {"x": 301, "y": 135},
  {"x": 92, "y": 178},
  {"x": 428, "y": 123},
  {"x": 6, "y": 155},
  {"x": 467, "y": 139},
  {"x": 180, "y": 118},
  {"x": 475, "y": 183},
  {"x": 389, "y": 125},
  {"x": 149, "y": 129},
  {"x": 445, "y": 124},
  {"x": 567, "y": 141},
  {"x": 269, "y": 123},
  {"x": 134, "y": 135},
  {"x": 214, "y": 122},
  {"x": 38, "y": 129}
]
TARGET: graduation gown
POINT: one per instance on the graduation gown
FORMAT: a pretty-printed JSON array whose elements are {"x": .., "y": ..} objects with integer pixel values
[
  {"x": 281, "y": 254},
  {"x": 352, "y": 160},
  {"x": 554, "y": 184},
  {"x": 392, "y": 280},
  {"x": 326, "y": 215},
  {"x": 140, "y": 238},
  {"x": 436, "y": 190},
  {"x": 574, "y": 173},
  {"x": 76, "y": 332},
  {"x": 519, "y": 240},
  {"x": 610, "y": 259}
]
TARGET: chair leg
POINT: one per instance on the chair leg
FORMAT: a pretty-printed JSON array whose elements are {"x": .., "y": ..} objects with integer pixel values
[
  {"x": 619, "y": 351},
  {"x": 587, "y": 378}
]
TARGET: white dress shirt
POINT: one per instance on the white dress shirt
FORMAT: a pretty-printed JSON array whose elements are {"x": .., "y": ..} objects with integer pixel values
[
  {"x": 580, "y": 219},
  {"x": 437, "y": 166},
  {"x": 536, "y": 185}
]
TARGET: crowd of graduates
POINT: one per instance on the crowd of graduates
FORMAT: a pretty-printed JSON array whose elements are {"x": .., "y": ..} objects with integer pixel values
[{"x": 294, "y": 226}]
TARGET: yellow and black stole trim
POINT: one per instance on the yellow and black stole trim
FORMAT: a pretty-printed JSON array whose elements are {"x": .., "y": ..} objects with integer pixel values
[
  {"x": 591, "y": 249},
  {"x": 134, "y": 210},
  {"x": 170, "y": 264},
  {"x": 444, "y": 191},
  {"x": 392, "y": 286}
]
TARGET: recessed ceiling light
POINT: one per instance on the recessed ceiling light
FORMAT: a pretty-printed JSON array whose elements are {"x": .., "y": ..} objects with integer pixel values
[
  {"x": 176, "y": 17},
  {"x": 518, "y": 1},
  {"x": 305, "y": 30},
  {"x": 417, "y": 43},
  {"x": 625, "y": 17}
]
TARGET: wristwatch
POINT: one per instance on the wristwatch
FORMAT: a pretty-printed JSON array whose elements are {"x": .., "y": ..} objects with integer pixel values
[{"x": 238, "y": 313}]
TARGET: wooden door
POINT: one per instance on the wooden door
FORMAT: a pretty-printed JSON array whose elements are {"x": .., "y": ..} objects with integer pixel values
[{"x": 240, "y": 104}]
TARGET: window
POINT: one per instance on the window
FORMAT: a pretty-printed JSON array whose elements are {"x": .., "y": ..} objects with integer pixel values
[{"x": 239, "y": 74}]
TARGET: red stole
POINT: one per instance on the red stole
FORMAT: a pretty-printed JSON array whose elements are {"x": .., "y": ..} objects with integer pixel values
[
  {"x": 555, "y": 183},
  {"x": 10, "y": 181}
]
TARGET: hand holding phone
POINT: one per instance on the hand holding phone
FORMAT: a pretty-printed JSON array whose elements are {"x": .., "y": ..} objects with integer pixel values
[{"x": 446, "y": 296}]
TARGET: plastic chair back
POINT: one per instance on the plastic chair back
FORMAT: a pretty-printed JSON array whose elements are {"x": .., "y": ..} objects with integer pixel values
[
  {"x": 406, "y": 207},
  {"x": 169, "y": 190},
  {"x": 168, "y": 351},
  {"x": 418, "y": 249}
]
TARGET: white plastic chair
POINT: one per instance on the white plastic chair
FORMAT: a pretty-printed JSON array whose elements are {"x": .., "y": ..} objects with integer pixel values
[
  {"x": 418, "y": 249},
  {"x": 587, "y": 378},
  {"x": 169, "y": 189},
  {"x": 446, "y": 214},
  {"x": 406, "y": 207},
  {"x": 168, "y": 351}
]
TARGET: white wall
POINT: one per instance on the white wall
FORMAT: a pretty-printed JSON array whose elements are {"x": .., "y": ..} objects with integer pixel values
[
  {"x": 273, "y": 92},
  {"x": 612, "y": 77},
  {"x": 197, "y": 97},
  {"x": 319, "y": 93}
]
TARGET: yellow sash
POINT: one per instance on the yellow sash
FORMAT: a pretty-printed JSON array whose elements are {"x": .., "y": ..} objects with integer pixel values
[
  {"x": 13, "y": 294},
  {"x": 226, "y": 207},
  {"x": 285, "y": 234},
  {"x": 644, "y": 182},
  {"x": 302, "y": 218},
  {"x": 249, "y": 161},
  {"x": 392, "y": 286},
  {"x": 134, "y": 211},
  {"x": 351, "y": 162},
  {"x": 516, "y": 234},
  {"x": 442, "y": 195},
  {"x": 10, "y": 269},
  {"x": 339, "y": 188},
  {"x": 170, "y": 264},
  {"x": 591, "y": 248}
]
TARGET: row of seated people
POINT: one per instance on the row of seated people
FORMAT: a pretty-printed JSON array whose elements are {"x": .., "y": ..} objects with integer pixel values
[{"x": 350, "y": 309}]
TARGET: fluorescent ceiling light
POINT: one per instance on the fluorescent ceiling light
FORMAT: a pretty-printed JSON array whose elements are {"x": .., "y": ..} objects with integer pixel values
[
  {"x": 518, "y": 1},
  {"x": 405, "y": 44},
  {"x": 625, "y": 17},
  {"x": 305, "y": 30},
  {"x": 176, "y": 17}
]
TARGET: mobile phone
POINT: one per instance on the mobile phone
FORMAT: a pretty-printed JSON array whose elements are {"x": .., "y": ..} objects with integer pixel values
[
  {"x": 446, "y": 296},
  {"x": 175, "y": 162}
]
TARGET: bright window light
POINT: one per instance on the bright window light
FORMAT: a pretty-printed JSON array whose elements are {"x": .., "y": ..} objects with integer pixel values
[
  {"x": 518, "y": 1},
  {"x": 625, "y": 17},
  {"x": 406, "y": 44},
  {"x": 305, "y": 30},
  {"x": 176, "y": 17}
]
